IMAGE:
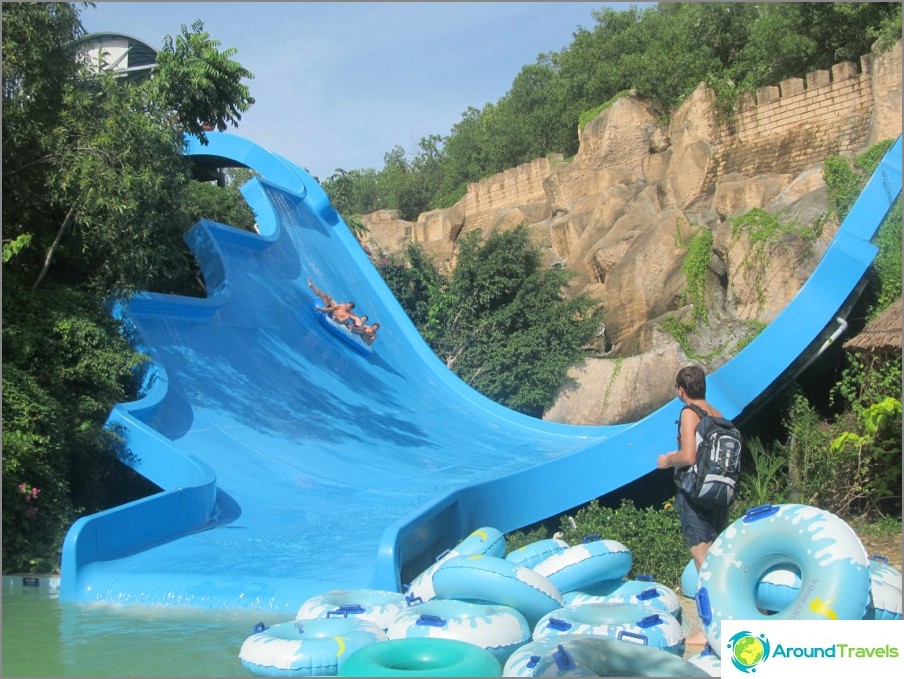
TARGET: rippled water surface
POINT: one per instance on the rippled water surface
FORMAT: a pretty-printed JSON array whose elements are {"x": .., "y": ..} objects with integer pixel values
[{"x": 43, "y": 637}]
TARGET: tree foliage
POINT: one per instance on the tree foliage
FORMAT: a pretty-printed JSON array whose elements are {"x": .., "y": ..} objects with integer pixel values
[
  {"x": 96, "y": 198},
  {"x": 500, "y": 321},
  {"x": 200, "y": 84}
]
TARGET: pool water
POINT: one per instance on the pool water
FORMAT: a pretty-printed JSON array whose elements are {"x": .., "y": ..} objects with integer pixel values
[{"x": 44, "y": 637}]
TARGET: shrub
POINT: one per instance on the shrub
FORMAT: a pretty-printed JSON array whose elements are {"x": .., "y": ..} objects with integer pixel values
[
  {"x": 696, "y": 271},
  {"x": 887, "y": 266},
  {"x": 765, "y": 482}
]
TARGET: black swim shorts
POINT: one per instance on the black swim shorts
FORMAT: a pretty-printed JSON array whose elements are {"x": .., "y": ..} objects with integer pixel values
[{"x": 699, "y": 524}]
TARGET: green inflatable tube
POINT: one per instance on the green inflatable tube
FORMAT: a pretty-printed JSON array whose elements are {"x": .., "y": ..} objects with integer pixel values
[{"x": 421, "y": 657}]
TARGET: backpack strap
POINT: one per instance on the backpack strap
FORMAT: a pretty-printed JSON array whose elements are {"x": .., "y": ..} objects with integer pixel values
[{"x": 697, "y": 409}]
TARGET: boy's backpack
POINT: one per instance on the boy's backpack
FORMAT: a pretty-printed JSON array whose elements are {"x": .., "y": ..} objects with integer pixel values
[{"x": 710, "y": 481}]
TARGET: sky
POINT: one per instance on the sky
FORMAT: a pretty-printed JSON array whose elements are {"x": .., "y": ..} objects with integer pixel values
[{"x": 339, "y": 84}]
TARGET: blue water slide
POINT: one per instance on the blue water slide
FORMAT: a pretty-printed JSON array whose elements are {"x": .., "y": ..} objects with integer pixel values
[{"x": 290, "y": 464}]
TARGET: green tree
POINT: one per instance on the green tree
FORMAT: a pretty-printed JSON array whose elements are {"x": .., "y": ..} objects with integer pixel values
[
  {"x": 97, "y": 197},
  {"x": 200, "y": 84},
  {"x": 465, "y": 156},
  {"x": 354, "y": 192},
  {"x": 204, "y": 200},
  {"x": 500, "y": 321},
  {"x": 399, "y": 185},
  {"x": 414, "y": 280},
  {"x": 531, "y": 118},
  {"x": 93, "y": 171}
]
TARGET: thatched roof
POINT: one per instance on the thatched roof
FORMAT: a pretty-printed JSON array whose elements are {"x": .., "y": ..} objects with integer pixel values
[{"x": 882, "y": 334}]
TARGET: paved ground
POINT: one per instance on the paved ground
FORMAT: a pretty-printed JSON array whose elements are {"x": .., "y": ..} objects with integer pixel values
[{"x": 690, "y": 622}]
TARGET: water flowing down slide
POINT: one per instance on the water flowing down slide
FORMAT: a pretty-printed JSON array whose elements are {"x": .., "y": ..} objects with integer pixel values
[{"x": 291, "y": 463}]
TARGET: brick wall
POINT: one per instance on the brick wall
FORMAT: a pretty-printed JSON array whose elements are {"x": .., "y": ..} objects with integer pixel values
[
  {"x": 790, "y": 126},
  {"x": 521, "y": 185}
]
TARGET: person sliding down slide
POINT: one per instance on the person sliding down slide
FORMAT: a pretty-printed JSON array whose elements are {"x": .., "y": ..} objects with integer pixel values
[
  {"x": 339, "y": 311},
  {"x": 367, "y": 332}
]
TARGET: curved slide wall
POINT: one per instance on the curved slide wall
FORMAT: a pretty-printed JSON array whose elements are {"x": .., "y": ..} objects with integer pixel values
[{"x": 290, "y": 464}]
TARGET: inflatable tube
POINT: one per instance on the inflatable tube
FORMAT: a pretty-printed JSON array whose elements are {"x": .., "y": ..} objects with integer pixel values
[
  {"x": 498, "y": 629},
  {"x": 884, "y": 572},
  {"x": 601, "y": 588},
  {"x": 625, "y": 622},
  {"x": 341, "y": 331},
  {"x": 885, "y": 591},
  {"x": 489, "y": 579},
  {"x": 708, "y": 661},
  {"x": 689, "y": 578},
  {"x": 835, "y": 579},
  {"x": 421, "y": 657},
  {"x": 306, "y": 648},
  {"x": 640, "y": 591},
  {"x": 584, "y": 565},
  {"x": 560, "y": 662},
  {"x": 778, "y": 588},
  {"x": 604, "y": 656},
  {"x": 485, "y": 541},
  {"x": 373, "y": 605},
  {"x": 532, "y": 554}
]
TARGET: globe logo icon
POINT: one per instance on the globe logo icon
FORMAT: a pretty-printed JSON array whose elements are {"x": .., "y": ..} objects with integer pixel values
[{"x": 748, "y": 651}]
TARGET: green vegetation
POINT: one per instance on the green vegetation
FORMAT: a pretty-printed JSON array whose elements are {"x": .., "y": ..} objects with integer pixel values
[
  {"x": 96, "y": 197},
  {"x": 633, "y": 527},
  {"x": 764, "y": 232},
  {"x": 664, "y": 557},
  {"x": 695, "y": 268},
  {"x": 754, "y": 328},
  {"x": 615, "y": 371},
  {"x": 847, "y": 459},
  {"x": 500, "y": 321},
  {"x": 587, "y": 116},
  {"x": 681, "y": 333},
  {"x": 887, "y": 266}
]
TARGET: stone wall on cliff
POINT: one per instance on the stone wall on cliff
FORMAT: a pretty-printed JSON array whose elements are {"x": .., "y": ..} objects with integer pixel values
[
  {"x": 788, "y": 127},
  {"x": 621, "y": 212}
]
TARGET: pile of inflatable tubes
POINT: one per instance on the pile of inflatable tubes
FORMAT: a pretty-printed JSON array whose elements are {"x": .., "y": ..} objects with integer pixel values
[
  {"x": 476, "y": 607},
  {"x": 554, "y": 609}
]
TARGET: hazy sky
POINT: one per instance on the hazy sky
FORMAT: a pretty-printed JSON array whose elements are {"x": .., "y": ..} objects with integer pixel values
[{"x": 339, "y": 84}]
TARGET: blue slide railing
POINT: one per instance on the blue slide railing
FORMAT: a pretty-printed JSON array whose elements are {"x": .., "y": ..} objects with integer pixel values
[{"x": 290, "y": 464}]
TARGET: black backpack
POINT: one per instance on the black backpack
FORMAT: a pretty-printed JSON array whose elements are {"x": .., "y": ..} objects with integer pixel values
[{"x": 710, "y": 482}]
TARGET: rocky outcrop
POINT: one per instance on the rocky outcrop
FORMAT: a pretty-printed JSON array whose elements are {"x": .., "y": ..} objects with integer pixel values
[{"x": 620, "y": 215}]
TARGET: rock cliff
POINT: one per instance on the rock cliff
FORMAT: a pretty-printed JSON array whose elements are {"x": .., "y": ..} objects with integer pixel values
[{"x": 622, "y": 212}]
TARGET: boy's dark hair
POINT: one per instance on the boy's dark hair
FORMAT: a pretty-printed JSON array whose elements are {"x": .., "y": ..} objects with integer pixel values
[{"x": 693, "y": 380}]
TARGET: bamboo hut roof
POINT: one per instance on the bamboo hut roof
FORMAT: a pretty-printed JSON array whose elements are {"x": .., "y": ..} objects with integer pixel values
[{"x": 882, "y": 334}]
